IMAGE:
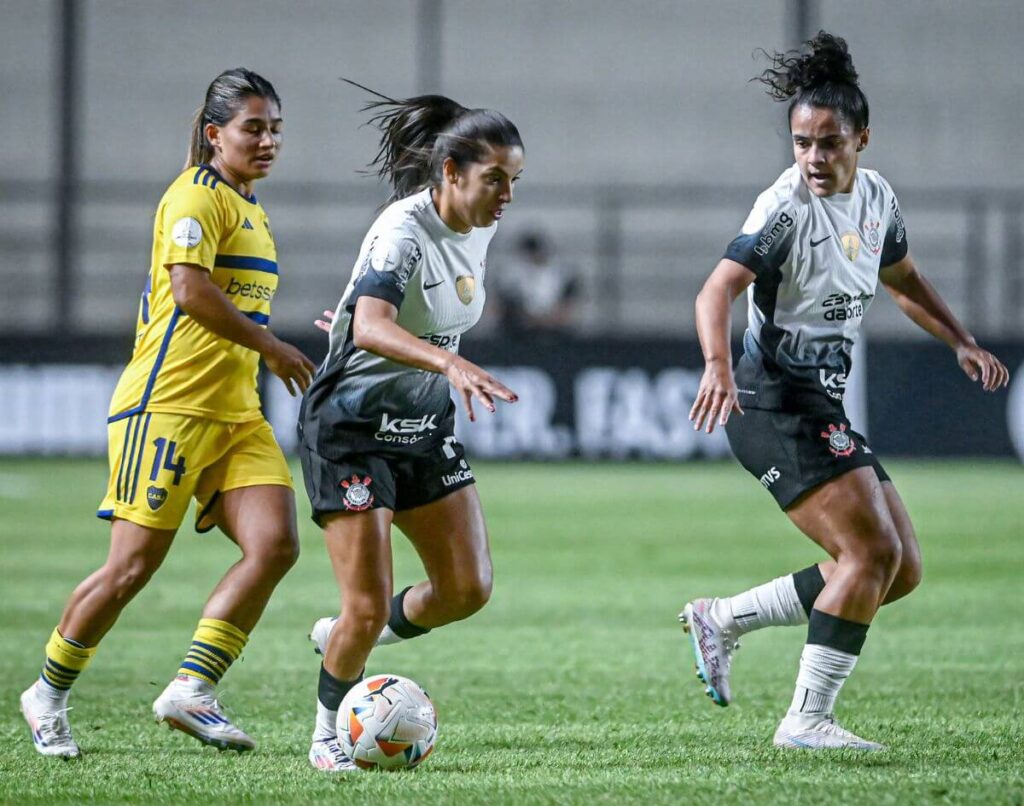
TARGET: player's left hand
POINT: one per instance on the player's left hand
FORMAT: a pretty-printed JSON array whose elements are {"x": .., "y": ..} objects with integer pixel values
[
  {"x": 978, "y": 363},
  {"x": 325, "y": 323}
]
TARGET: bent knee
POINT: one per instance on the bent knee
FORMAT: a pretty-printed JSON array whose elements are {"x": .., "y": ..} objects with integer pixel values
[
  {"x": 276, "y": 556},
  {"x": 880, "y": 553},
  {"x": 366, "y": 617},
  {"x": 907, "y": 578},
  {"x": 125, "y": 579},
  {"x": 467, "y": 597}
]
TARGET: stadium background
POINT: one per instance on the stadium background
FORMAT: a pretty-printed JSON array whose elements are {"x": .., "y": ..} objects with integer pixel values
[{"x": 646, "y": 145}]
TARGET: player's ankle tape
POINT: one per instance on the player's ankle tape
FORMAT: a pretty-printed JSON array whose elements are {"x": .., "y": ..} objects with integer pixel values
[
  {"x": 331, "y": 691},
  {"x": 825, "y": 629},
  {"x": 399, "y": 624},
  {"x": 809, "y": 584}
]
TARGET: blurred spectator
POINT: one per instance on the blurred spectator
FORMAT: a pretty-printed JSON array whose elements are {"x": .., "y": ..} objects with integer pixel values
[{"x": 535, "y": 292}]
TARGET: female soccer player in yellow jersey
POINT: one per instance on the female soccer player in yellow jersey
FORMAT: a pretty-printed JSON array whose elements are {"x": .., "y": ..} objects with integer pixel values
[{"x": 185, "y": 423}]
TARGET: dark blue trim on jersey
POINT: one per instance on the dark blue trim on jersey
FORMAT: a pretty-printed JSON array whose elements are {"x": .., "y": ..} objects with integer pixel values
[
  {"x": 245, "y": 262},
  {"x": 257, "y": 317},
  {"x": 106, "y": 514},
  {"x": 206, "y": 511},
  {"x": 145, "y": 298},
  {"x": 154, "y": 372},
  {"x": 218, "y": 178}
]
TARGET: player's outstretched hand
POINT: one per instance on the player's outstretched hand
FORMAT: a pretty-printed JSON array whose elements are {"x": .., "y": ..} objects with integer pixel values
[
  {"x": 289, "y": 364},
  {"x": 325, "y": 323},
  {"x": 979, "y": 363},
  {"x": 471, "y": 381},
  {"x": 717, "y": 397}
]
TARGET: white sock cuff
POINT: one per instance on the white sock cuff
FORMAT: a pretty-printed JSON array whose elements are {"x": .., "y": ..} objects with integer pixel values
[{"x": 326, "y": 726}]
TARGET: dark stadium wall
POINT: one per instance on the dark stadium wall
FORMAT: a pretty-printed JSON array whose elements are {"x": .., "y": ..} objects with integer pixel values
[{"x": 591, "y": 398}]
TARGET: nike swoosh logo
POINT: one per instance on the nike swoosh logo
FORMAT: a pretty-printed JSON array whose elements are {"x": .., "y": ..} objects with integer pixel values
[
  {"x": 816, "y": 243},
  {"x": 427, "y": 287}
]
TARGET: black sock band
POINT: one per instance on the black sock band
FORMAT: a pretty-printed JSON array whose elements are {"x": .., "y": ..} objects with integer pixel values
[
  {"x": 809, "y": 585},
  {"x": 836, "y": 633},
  {"x": 399, "y": 624},
  {"x": 331, "y": 691}
]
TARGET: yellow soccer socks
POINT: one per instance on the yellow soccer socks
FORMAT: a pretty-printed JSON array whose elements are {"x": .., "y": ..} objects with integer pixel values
[
  {"x": 65, "y": 659},
  {"x": 215, "y": 646}
]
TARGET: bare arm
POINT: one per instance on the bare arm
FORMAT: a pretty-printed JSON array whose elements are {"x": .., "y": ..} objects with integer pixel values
[
  {"x": 919, "y": 300},
  {"x": 717, "y": 395},
  {"x": 376, "y": 330},
  {"x": 199, "y": 297}
]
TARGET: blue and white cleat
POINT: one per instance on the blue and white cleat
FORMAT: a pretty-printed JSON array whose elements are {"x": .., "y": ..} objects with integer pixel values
[
  {"x": 327, "y": 756},
  {"x": 817, "y": 732},
  {"x": 190, "y": 705},
  {"x": 321, "y": 632},
  {"x": 51, "y": 731},
  {"x": 713, "y": 646}
]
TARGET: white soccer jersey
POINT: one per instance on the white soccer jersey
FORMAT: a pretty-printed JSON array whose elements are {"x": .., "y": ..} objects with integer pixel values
[
  {"x": 817, "y": 262},
  {"x": 359, "y": 401}
]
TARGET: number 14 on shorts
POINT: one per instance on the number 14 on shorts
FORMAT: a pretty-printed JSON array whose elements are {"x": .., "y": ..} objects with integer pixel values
[{"x": 178, "y": 468}]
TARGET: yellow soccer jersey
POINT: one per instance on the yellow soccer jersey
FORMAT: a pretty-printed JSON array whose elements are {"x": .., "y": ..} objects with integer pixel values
[{"x": 178, "y": 366}]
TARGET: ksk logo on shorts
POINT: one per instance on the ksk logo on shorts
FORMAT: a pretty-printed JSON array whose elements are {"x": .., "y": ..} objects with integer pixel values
[
  {"x": 357, "y": 493},
  {"x": 839, "y": 442}
]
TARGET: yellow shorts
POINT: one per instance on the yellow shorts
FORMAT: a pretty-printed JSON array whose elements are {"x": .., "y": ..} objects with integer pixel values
[{"x": 158, "y": 462}]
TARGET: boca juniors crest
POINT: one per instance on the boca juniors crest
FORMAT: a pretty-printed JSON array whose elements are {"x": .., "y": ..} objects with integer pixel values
[
  {"x": 357, "y": 493},
  {"x": 155, "y": 497}
]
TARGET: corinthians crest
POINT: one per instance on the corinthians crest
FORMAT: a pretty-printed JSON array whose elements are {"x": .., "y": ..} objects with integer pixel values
[
  {"x": 465, "y": 286},
  {"x": 839, "y": 442},
  {"x": 357, "y": 493}
]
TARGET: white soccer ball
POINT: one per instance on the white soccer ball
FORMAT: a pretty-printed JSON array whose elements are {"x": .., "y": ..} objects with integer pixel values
[{"x": 387, "y": 722}]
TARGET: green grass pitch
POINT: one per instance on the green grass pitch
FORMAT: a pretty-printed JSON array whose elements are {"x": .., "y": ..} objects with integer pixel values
[{"x": 575, "y": 684}]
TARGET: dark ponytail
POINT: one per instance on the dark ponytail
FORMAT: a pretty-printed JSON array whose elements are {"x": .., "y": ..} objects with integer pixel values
[
  {"x": 825, "y": 77},
  {"x": 225, "y": 95},
  {"x": 419, "y": 134}
]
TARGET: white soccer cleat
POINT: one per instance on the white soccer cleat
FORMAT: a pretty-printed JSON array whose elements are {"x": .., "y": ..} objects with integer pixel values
[
  {"x": 321, "y": 632},
  {"x": 51, "y": 731},
  {"x": 327, "y": 756},
  {"x": 817, "y": 732},
  {"x": 713, "y": 646},
  {"x": 189, "y": 705}
]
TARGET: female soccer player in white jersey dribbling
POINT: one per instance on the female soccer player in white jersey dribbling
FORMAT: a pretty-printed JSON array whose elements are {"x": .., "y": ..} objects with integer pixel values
[
  {"x": 376, "y": 428},
  {"x": 809, "y": 256},
  {"x": 185, "y": 422}
]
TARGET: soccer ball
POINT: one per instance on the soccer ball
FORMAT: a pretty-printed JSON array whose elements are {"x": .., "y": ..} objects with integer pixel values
[{"x": 387, "y": 722}]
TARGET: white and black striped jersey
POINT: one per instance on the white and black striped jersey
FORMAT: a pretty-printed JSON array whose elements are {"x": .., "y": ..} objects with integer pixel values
[
  {"x": 361, "y": 402},
  {"x": 817, "y": 262}
]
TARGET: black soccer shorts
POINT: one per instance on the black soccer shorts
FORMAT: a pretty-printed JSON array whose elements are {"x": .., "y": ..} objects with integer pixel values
[
  {"x": 361, "y": 481},
  {"x": 790, "y": 453}
]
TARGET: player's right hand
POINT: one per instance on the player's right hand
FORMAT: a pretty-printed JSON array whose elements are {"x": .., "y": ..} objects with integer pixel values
[
  {"x": 717, "y": 397},
  {"x": 325, "y": 323},
  {"x": 289, "y": 364},
  {"x": 471, "y": 381}
]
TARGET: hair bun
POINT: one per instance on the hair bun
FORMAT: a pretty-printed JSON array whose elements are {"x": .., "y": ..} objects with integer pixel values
[{"x": 829, "y": 60}]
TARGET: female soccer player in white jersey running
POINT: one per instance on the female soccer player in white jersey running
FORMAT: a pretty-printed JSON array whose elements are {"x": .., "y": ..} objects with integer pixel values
[
  {"x": 376, "y": 428},
  {"x": 185, "y": 422},
  {"x": 809, "y": 256}
]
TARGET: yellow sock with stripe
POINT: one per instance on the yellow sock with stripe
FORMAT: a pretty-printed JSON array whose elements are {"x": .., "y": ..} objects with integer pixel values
[
  {"x": 215, "y": 646},
  {"x": 65, "y": 659}
]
